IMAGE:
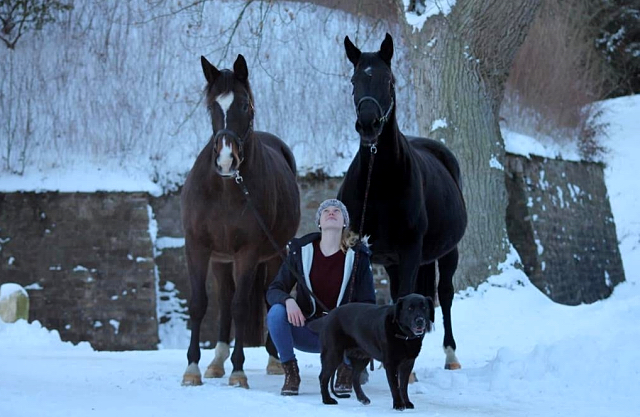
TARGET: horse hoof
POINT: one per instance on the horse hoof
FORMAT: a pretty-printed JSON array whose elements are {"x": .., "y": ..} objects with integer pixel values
[
  {"x": 274, "y": 367},
  {"x": 452, "y": 366},
  {"x": 451, "y": 362},
  {"x": 192, "y": 376},
  {"x": 413, "y": 378},
  {"x": 191, "y": 380},
  {"x": 214, "y": 371},
  {"x": 238, "y": 379}
]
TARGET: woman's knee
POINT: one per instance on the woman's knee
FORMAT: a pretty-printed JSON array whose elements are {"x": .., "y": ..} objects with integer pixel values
[{"x": 277, "y": 315}]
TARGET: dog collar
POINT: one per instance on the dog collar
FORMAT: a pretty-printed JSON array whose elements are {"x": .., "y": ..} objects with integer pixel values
[{"x": 405, "y": 337}]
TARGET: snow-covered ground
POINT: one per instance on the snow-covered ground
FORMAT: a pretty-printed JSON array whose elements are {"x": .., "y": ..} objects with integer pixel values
[{"x": 522, "y": 354}]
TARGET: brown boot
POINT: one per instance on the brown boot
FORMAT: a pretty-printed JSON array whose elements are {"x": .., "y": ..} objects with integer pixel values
[
  {"x": 344, "y": 379},
  {"x": 291, "y": 378}
]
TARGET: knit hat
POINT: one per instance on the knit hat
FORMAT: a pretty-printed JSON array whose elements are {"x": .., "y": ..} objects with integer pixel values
[{"x": 335, "y": 203}]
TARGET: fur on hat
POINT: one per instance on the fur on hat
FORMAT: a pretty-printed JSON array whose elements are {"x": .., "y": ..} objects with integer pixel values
[{"x": 336, "y": 203}]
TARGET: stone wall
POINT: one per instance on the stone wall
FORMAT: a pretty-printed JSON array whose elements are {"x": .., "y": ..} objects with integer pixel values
[
  {"x": 90, "y": 261},
  {"x": 559, "y": 220},
  {"x": 86, "y": 261}
]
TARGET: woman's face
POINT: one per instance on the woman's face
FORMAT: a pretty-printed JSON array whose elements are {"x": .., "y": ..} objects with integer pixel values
[{"x": 331, "y": 218}]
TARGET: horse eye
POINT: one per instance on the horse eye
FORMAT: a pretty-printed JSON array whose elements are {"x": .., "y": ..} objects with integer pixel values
[{"x": 245, "y": 107}]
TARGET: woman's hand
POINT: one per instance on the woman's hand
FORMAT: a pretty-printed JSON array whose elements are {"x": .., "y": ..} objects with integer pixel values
[{"x": 294, "y": 314}]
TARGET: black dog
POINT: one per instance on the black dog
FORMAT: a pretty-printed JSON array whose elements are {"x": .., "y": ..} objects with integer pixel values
[{"x": 390, "y": 334}]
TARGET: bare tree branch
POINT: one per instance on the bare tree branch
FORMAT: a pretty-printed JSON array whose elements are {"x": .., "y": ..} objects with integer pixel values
[{"x": 22, "y": 15}]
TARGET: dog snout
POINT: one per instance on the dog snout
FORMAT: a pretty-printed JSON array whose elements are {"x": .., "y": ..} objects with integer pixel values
[{"x": 420, "y": 321}]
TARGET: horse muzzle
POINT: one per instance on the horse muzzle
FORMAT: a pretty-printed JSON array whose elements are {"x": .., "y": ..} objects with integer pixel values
[
  {"x": 227, "y": 156},
  {"x": 368, "y": 135}
]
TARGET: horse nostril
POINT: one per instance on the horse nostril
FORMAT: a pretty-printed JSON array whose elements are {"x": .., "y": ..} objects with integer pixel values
[{"x": 376, "y": 124}]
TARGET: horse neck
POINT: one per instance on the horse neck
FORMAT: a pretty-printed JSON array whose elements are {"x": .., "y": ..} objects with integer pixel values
[
  {"x": 392, "y": 146},
  {"x": 254, "y": 163}
]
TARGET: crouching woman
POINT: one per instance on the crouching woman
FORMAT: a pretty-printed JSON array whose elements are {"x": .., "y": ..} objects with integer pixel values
[{"x": 323, "y": 268}]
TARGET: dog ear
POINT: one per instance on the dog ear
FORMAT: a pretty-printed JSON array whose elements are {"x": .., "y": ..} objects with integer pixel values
[
  {"x": 432, "y": 309},
  {"x": 398, "y": 310}
]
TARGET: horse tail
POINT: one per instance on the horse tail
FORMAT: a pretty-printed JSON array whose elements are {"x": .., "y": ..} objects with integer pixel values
[
  {"x": 254, "y": 333},
  {"x": 333, "y": 387}
]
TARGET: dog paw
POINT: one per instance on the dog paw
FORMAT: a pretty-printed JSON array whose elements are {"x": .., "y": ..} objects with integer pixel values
[{"x": 364, "y": 401}]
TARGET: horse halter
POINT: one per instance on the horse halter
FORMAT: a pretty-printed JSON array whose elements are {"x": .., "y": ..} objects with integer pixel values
[
  {"x": 239, "y": 141},
  {"x": 384, "y": 118}
]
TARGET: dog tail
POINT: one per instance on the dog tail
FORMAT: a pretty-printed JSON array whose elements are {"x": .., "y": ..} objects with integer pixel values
[{"x": 333, "y": 388}]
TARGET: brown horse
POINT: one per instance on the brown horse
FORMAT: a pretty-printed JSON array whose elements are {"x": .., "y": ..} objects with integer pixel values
[{"x": 222, "y": 225}]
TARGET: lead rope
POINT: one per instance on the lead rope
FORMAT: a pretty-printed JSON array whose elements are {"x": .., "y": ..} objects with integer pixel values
[
  {"x": 374, "y": 150},
  {"x": 240, "y": 181}
]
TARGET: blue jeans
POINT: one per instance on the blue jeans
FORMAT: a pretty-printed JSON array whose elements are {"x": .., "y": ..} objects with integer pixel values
[{"x": 286, "y": 336}]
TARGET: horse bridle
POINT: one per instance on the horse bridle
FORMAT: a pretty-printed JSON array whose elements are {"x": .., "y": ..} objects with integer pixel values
[
  {"x": 384, "y": 118},
  {"x": 239, "y": 141}
]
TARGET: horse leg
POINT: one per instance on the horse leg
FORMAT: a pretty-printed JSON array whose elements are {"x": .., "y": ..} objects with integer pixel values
[
  {"x": 274, "y": 367},
  {"x": 223, "y": 275},
  {"x": 426, "y": 282},
  {"x": 425, "y": 285},
  {"x": 394, "y": 281},
  {"x": 197, "y": 265},
  {"x": 447, "y": 266},
  {"x": 408, "y": 269},
  {"x": 244, "y": 272}
]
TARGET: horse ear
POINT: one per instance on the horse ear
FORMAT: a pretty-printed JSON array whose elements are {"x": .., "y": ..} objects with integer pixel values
[
  {"x": 240, "y": 69},
  {"x": 386, "y": 49},
  {"x": 432, "y": 309},
  {"x": 211, "y": 73},
  {"x": 353, "y": 53}
]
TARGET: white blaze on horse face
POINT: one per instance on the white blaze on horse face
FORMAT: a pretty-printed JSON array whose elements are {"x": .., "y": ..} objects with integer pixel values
[
  {"x": 225, "y": 100},
  {"x": 225, "y": 157}
]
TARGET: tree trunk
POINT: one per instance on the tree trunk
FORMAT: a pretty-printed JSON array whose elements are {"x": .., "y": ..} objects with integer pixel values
[{"x": 460, "y": 63}]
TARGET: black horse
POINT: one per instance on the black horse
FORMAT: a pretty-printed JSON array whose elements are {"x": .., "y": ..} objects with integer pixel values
[
  {"x": 415, "y": 212},
  {"x": 221, "y": 224}
]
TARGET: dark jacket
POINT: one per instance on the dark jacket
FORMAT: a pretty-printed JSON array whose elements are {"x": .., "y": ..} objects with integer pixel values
[{"x": 302, "y": 248}]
